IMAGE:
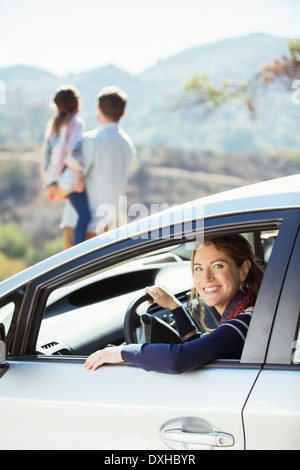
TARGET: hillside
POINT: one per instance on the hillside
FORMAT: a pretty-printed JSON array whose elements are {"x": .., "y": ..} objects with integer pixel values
[
  {"x": 160, "y": 176},
  {"x": 235, "y": 59},
  {"x": 29, "y": 91},
  {"x": 29, "y": 222}
]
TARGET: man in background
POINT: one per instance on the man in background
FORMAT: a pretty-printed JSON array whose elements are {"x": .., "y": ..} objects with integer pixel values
[{"x": 107, "y": 154}]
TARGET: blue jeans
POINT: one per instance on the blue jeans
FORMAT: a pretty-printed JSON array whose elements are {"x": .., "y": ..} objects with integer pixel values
[{"x": 81, "y": 204}]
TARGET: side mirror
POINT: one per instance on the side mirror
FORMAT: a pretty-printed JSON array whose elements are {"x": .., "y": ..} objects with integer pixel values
[{"x": 2, "y": 345}]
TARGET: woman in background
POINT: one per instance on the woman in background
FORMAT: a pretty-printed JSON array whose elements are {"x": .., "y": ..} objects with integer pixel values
[{"x": 63, "y": 158}]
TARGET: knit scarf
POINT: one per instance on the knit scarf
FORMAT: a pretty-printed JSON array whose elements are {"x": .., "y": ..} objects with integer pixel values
[{"x": 238, "y": 304}]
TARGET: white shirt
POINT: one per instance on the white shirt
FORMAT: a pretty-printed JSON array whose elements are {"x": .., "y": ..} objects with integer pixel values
[{"x": 107, "y": 154}]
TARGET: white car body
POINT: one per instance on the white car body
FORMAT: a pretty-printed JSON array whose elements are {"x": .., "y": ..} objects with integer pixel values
[{"x": 50, "y": 401}]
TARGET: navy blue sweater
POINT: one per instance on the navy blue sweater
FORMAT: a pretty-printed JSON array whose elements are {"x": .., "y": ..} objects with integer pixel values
[{"x": 226, "y": 342}]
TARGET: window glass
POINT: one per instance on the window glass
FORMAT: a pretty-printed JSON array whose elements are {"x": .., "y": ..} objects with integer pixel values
[
  {"x": 89, "y": 313},
  {"x": 268, "y": 241}
]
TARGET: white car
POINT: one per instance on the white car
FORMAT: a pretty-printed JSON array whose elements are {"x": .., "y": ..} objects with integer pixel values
[{"x": 59, "y": 311}]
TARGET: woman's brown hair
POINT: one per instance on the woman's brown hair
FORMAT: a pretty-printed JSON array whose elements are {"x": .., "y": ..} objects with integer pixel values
[
  {"x": 240, "y": 250},
  {"x": 67, "y": 103}
]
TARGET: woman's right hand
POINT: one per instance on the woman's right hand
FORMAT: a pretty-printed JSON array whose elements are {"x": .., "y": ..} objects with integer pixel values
[{"x": 163, "y": 297}]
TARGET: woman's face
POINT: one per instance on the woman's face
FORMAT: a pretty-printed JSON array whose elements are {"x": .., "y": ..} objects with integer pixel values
[{"x": 217, "y": 277}]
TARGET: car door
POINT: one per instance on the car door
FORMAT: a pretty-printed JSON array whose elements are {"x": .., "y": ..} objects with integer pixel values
[
  {"x": 59, "y": 405},
  {"x": 272, "y": 412}
]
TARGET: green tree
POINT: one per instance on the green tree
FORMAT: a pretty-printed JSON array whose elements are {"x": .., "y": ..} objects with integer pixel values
[
  {"x": 12, "y": 241},
  {"x": 50, "y": 248},
  {"x": 199, "y": 91},
  {"x": 285, "y": 68}
]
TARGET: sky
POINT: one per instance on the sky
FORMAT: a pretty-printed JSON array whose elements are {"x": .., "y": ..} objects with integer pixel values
[{"x": 72, "y": 36}]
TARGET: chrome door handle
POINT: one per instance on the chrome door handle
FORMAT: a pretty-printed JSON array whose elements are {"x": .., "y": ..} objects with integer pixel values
[{"x": 214, "y": 439}]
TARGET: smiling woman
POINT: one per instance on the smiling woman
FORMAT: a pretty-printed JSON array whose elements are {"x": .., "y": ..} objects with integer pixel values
[
  {"x": 217, "y": 276},
  {"x": 226, "y": 277},
  {"x": 227, "y": 263}
]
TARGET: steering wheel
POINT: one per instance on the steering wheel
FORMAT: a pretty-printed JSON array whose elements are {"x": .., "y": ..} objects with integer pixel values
[{"x": 156, "y": 330}]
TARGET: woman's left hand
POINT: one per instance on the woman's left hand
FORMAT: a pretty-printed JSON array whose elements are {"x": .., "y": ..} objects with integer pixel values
[
  {"x": 163, "y": 297},
  {"x": 110, "y": 355}
]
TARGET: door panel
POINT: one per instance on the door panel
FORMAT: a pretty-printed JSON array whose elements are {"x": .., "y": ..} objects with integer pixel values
[
  {"x": 272, "y": 415},
  {"x": 52, "y": 405}
]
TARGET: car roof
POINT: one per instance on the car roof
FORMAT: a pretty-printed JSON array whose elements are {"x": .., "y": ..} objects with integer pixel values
[{"x": 281, "y": 193}]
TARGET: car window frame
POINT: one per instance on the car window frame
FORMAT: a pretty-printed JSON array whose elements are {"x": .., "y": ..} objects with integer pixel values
[
  {"x": 39, "y": 289},
  {"x": 286, "y": 325}
]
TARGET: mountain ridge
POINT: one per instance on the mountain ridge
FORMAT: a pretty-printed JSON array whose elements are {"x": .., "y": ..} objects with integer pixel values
[
  {"x": 191, "y": 50},
  {"x": 29, "y": 90}
]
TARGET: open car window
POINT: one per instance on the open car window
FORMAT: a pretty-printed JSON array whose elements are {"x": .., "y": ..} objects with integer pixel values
[{"x": 88, "y": 313}]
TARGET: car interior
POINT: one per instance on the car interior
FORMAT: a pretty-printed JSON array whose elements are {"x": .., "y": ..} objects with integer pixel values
[{"x": 110, "y": 306}]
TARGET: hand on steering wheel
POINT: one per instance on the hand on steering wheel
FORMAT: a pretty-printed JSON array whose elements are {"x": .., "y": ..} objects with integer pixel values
[{"x": 163, "y": 297}]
